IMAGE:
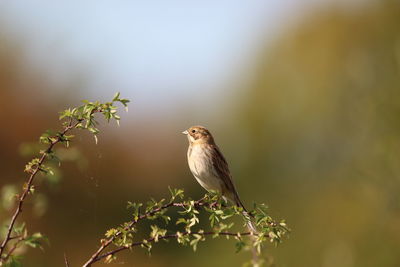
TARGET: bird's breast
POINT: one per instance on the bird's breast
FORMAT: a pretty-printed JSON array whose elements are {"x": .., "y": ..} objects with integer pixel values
[{"x": 201, "y": 166}]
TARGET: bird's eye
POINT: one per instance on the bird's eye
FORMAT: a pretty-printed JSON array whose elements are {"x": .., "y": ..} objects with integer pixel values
[{"x": 193, "y": 131}]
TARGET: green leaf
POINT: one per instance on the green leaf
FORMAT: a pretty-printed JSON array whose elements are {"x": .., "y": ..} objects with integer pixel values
[
  {"x": 116, "y": 96},
  {"x": 240, "y": 244},
  {"x": 166, "y": 218},
  {"x": 147, "y": 245},
  {"x": 35, "y": 240},
  {"x": 124, "y": 102},
  {"x": 18, "y": 230},
  {"x": 182, "y": 220},
  {"x": 14, "y": 261},
  {"x": 110, "y": 258},
  {"x": 176, "y": 193},
  {"x": 182, "y": 238},
  {"x": 157, "y": 232},
  {"x": 136, "y": 209},
  {"x": 32, "y": 165},
  {"x": 111, "y": 232},
  {"x": 195, "y": 241},
  {"x": 45, "y": 138}
]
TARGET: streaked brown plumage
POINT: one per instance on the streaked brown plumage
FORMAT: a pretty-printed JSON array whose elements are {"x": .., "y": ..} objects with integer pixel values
[{"x": 209, "y": 166}]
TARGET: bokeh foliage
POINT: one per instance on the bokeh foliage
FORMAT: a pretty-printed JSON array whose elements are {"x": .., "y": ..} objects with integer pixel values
[{"x": 322, "y": 121}]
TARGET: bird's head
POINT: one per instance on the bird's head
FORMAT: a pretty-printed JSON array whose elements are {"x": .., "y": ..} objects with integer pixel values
[{"x": 198, "y": 135}]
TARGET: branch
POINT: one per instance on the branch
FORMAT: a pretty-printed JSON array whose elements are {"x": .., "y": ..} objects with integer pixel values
[
  {"x": 171, "y": 236},
  {"x": 76, "y": 118},
  {"x": 123, "y": 236},
  {"x": 28, "y": 187},
  {"x": 13, "y": 248},
  {"x": 107, "y": 242}
]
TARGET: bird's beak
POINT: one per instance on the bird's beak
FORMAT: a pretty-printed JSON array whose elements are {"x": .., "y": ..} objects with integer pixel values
[{"x": 185, "y": 132}]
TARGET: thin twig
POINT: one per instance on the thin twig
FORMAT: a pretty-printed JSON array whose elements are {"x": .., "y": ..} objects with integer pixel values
[
  {"x": 66, "y": 260},
  {"x": 76, "y": 117},
  {"x": 27, "y": 189},
  {"x": 107, "y": 242},
  {"x": 171, "y": 236},
  {"x": 14, "y": 237},
  {"x": 13, "y": 248}
]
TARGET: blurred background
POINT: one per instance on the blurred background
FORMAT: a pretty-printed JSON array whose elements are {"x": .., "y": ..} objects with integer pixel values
[{"x": 301, "y": 96}]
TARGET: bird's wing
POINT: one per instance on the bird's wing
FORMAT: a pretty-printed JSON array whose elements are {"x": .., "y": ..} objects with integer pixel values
[{"x": 221, "y": 167}]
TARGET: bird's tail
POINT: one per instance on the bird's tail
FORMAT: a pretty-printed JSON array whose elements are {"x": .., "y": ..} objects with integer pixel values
[
  {"x": 247, "y": 216},
  {"x": 251, "y": 226}
]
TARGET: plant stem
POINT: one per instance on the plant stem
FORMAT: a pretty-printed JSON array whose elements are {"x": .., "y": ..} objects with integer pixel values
[
  {"x": 152, "y": 240},
  {"x": 107, "y": 242},
  {"x": 26, "y": 191}
]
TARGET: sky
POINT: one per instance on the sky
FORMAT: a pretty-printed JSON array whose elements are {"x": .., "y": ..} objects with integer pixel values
[{"x": 160, "y": 52}]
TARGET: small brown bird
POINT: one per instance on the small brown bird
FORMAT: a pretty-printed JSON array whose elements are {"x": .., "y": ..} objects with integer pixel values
[{"x": 209, "y": 166}]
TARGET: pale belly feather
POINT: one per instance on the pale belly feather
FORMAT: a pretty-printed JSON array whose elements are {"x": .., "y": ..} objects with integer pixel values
[{"x": 202, "y": 169}]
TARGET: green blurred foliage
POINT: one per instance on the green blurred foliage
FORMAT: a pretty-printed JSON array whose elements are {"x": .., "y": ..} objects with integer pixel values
[{"x": 322, "y": 122}]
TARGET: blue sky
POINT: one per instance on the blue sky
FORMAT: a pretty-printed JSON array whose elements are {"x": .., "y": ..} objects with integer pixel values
[{"x": 161, "y": 52}]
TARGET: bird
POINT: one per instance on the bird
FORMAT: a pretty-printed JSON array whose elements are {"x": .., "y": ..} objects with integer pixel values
[{"x": 210, "y": 168}]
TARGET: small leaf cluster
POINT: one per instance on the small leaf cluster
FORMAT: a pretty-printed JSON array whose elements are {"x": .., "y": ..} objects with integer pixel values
[
  {"x": 82, "y": 117},
  {"x": 220, "y": 217},
  {"x": 268, "y": 228},
  {"x": 23, "y": 238}
]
